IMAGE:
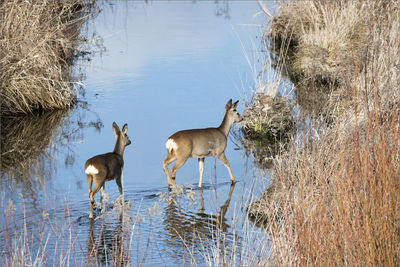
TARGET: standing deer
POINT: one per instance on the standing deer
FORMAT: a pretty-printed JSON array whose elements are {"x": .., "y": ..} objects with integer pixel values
[
  {"x": 106, "y": 167},
  {"x": 201, "y": 143}
]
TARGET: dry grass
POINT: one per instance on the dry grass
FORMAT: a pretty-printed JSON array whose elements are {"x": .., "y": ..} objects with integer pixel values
[
  {"x": 334, "y": 197},
  {"x": 325, "y": 44},
  {"x": 324, "y": 34},
  {"x": 268, "y": 117},
  {"x": 267, "y": 126},
  {"x": 336, "y": 201},
  {"x": 37, "y": 47}
]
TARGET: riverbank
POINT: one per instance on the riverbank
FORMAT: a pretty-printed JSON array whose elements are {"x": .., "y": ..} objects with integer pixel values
[
  {"x": 39, "y": 44},
  {"x": 334, "y": 195}
]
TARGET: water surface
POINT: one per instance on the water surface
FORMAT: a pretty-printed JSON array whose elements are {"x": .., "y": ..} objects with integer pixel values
[{"x": 164, "y": 66}]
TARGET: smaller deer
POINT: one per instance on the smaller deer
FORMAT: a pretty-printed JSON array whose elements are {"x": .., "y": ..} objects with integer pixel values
[
  {"x": 201, "y": 143},
  {"x": 106, "y": 167}
]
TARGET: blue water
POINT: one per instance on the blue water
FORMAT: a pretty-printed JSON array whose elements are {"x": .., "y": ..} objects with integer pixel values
[{"x": 160, "y": 67}]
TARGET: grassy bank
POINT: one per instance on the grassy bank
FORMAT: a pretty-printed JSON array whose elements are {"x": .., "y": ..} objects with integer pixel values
[
  {"x": 38, "y": 44},
  {"x": 334, "y": 197}
]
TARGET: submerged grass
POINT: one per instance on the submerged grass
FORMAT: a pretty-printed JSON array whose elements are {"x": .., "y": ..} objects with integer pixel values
[{"x": 38, "y": 44}]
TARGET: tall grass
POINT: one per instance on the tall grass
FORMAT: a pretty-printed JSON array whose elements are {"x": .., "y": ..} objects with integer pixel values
[
  {"x": 336, "y": 200},
  {"x": 38, "y": 44},
  {"x": 325, "y": 44},
  {"x": 334, "y": 197}
]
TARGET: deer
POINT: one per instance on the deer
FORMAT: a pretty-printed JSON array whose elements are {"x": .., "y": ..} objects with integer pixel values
[
  {"x": 106, "y": 167},
  {"x": 201, "y": 143}
]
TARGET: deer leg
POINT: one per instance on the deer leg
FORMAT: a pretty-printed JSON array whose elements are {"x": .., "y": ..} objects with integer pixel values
[
  {"x": 119, "y": 184},
  {"x": 170, "y": 158},
  {"x": 179, "y": 162},
  {"x": 103, "y": 189},
  {"x": 201, "y": 170},
  {"x": 96, "y": 189},
  {"x": 223, "y": 159},
  {"x": 90, "y": 181}
]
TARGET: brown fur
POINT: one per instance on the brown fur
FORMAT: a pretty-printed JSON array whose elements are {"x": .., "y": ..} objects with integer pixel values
[
  {"x": 109, "y": 166},
  {"x": 201, "y": 143}
]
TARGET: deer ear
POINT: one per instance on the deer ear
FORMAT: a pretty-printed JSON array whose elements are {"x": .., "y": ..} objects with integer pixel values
[
  {"x": 235, "y": 104},
  {"x": 228, "y": 105},
  {"x": 125, "y": 128},
  {"x": 115, "y": 128}
]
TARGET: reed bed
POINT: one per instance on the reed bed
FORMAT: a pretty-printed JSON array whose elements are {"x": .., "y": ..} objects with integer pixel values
[
  {"x": 324, "y": 45},
  {"x": 335, "y": 199},
  {"x": 38, "y": 44},
  {"x": 334, "y": 195}
]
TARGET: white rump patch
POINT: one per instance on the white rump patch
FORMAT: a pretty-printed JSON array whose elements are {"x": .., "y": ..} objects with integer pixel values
[
  {"x": 91, "y": 170},
  {"x": 171, "y": 145}
]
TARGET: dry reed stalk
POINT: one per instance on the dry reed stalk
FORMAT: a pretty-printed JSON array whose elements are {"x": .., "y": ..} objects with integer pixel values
[
  {"x": 336, "y": 201},
  {"x": 334, "y": 197},
  {"x": 37, "y": 47}
]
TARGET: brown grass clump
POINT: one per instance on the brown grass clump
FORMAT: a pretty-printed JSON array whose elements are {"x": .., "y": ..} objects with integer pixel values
[
  {"x": 37, "y": 47},
  {"x": 334, "y": 197},
  {"x": 324, "y": 44},
  {"x": 323, "y": 34},
  {"x": 268, "y": 125},
  {"x": 268, "y": 117}
]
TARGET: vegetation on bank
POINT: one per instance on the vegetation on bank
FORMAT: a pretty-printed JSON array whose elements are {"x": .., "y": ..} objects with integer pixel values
[
  {"x": 268, "y": 117},
  {"x": 334, "y": 197},
  {"x": 38, "y": 44},
  {"x": 269, "y": 124}
]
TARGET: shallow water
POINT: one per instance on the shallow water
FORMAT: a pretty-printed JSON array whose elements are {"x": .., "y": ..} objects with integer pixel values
[{"x": 166, "y": 66}]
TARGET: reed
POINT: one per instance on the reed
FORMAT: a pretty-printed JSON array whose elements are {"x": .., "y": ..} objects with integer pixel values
[
  {"x": 336, "y": 201},
  {"x": 334, "y": 195},
  {"x": 38, "y": 44},
  {"x": 325, "y": 44}
]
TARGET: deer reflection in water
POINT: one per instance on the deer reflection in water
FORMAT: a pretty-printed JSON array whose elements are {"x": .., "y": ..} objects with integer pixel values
[
  {"x": 195, "y": 230},
  {"x": 108, "y": 243}
]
